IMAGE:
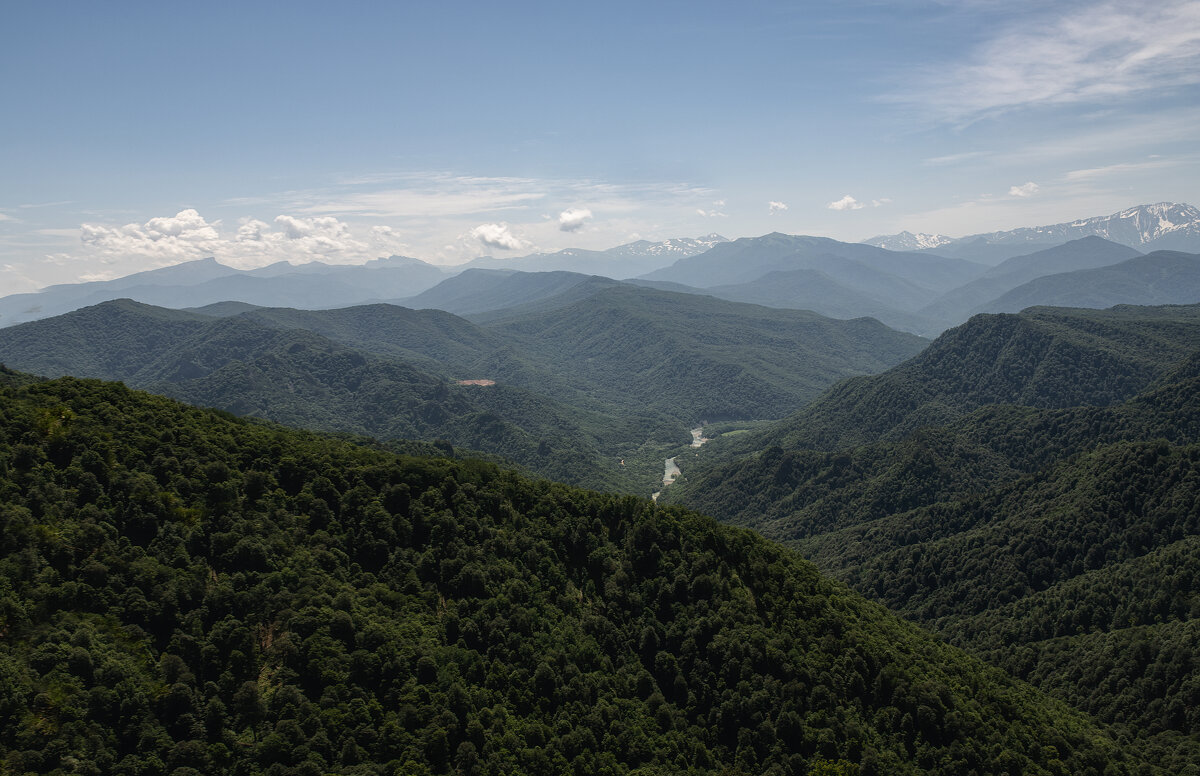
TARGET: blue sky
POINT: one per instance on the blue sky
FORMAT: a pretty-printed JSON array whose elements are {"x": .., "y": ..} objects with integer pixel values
[{"x": 138, "y": 135}]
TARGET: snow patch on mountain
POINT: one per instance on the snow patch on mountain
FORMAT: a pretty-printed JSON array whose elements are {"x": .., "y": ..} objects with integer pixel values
[
  {"x": 680, "y": 247},
  {"x": 1145, "y": 227},
  {"x": 907, "y": 241}
]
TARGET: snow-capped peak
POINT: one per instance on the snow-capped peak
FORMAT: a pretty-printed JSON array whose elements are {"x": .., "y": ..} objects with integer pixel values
[
  {"x": 907, "y": 241},
  {"x": 681, "y": 247}
]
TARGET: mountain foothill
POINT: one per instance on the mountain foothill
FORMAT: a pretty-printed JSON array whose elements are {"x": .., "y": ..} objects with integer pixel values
[{"x": 935, "y": 510}]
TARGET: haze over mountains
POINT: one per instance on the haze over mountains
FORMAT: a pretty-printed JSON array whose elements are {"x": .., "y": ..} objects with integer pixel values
[{"x": 906, "y": 284}]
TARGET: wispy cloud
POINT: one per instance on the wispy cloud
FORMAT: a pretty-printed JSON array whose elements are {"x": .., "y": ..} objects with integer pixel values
[
  {"x": 949, "y": 159},
  {"x": 46, "y": 204},
  {"x": 1024, "y": 190},
  {"x": 774, "y": 207},
  {"x": 1094, "y": 173},
  {"x": 1073, "y": 55},
  {"x": 846, "y": 203}
]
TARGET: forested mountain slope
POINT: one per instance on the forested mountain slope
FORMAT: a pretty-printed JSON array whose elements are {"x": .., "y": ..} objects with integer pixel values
[
  {"x": 184, "y": 592},
  {"x": 249, "y": 365},
  {"x": 597, "y": 392},
  {"x": 1044, "y": 357},
  {"x": 1007, "y": 528},
  {"x": 700, "y": 357},
  {"x": 476, "y": 291}
]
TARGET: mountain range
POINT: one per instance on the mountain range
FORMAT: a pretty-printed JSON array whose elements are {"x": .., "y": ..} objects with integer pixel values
[
  {"x": 923, "y": 290},
  {"x": 323, "y": 286},
  {"x": 595, "y": 392},
  {"x": 624, "y": 261},
  {"x": 198, "y": 589},
  {"x": 1161, "y": 226}
]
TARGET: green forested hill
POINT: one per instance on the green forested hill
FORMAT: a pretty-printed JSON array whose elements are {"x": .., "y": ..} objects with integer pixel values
[
  {"x": 183, "y": 592},
  {"x": 701, "y": 358},
  {"x": 255, "y": 365},
  {"x": 1009, "y": 529},
  {"x": 595, "y": 393},
  {"x": 1044, "y": 357},
  {"x": 476, "y": 291}
]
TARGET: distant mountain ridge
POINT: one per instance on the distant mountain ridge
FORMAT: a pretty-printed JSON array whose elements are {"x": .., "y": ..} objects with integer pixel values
[
  {"x": 980, "y": 294},
  {"x": 317, "y": 285},
  {"x": 749, "y": 258},
  {"x": 624, "y": 261},
  {"x": 907, "y": 241},
  {"x": 921, "y": 283},
  {"x": 1158, "y": 226},
  {"x": 1162, "y": 277}
]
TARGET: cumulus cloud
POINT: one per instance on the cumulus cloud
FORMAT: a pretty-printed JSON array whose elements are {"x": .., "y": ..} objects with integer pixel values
[
  {"x": 1024, "y": 190},
  {"x": 298, "y": 240},
  {"x": 573, "y": 219},
  {"x": 774, "y": 207},
  {"x": 846, "y": 203},
  {"x": 186, "y": 235},
  {"x": 498, "y": 236}
]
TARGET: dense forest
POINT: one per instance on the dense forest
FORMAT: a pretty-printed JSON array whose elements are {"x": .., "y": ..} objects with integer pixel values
[
  {"x": 185, "y": 592},
  {"x": 595, "y": 393},
  {"x": 1052, "y": 535},
  {"x": 1043, "y": 357}
]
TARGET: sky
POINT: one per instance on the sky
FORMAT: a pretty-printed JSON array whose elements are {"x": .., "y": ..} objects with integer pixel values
[{"x": 137, "y": 135}]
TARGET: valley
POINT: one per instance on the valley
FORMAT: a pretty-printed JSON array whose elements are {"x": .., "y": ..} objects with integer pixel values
[
  {"x": 610, "y": 389},
  {"x": 1009, "y": 509}
]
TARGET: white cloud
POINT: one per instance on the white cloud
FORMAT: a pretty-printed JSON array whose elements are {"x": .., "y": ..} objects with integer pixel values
[
  {"x": 573, "y": 219},
  {"x": 715, "y": 212},
  {"x": 186, "y": 235},
  {"x": 881, "y": 202},
  {"x": 1024, "y": 190},
  {"x": 1108, "y": 51},
  {"x": 774, "y": 207},
  {"x": 846, "y": 203},
  {"x": 498, "y": 236},
  {"x": 298, "y": 240}
]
